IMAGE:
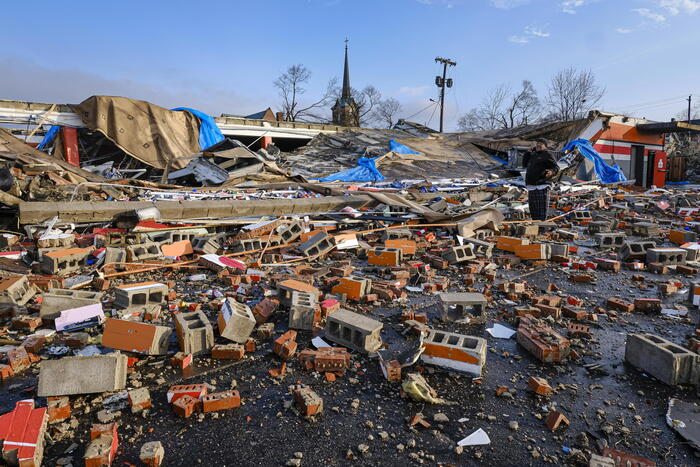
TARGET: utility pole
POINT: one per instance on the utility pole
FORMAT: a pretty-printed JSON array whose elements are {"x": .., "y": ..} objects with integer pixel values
[
  {"x": 690, "y": 99},
  {"x": 441, "y": 82}
]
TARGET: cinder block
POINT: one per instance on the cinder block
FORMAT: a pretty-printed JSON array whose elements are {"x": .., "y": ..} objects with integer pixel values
[
  {"x": 646, "y": 229},
  {"x": 666, "y": 256},
  {"x": 354, "y": 331},
  {"x": 480, "y": 247},
  {"x": 661, "y": 358},
  {"x": 290, "y": 232},
  {"x": 470, "y": 307},
  {"x": 63, "y": 262},
  {"x": 286, "y": 291},
  {"x": 636, "y": 250},
  {"x": 132, "y": 336},
  {"x": 510, "y": 243},
  {"x": 16, "y": 290},
  {"x": 456, "y": 352},
  {"x": 82, "y": 375},
  {"x": 236, "y": 321},
  {"x": 459, "y": 254},
  {"x": 241, "y": 246},
  {"x": 57, "y": 300},
  {"x": 140, "y": 294},
  {"x": 407, "y": 247},
  {"x": 143, "y": 251},
  {"x": 194, "y": 332},
  {"x": 397, "y": 234},
  {"x": 610, "y": 240},
  {"x": 304, "y": 317},
  {"x": 317, "y": 245}
]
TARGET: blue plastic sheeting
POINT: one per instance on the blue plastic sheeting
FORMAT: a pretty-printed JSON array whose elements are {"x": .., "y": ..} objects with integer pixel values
[
  {"x": 400, "y": 148},
  {"x": 48, "y": 137},
  {"x": 500, "y": 161},
  {"x": 606, "y": 173},
  {"x": 364, "y": 172},
  {"x": 209, "y": 133},
  {"x": 678, "y": 183}
]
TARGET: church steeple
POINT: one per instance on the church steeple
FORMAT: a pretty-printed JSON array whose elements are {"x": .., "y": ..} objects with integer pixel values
[
  {"x": 346, "y": 76},
  {"x": 345, "y": 111}
]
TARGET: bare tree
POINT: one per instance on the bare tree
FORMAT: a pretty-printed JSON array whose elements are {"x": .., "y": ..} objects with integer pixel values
[
  {"x": 291, "y": 88},
  {"x": 386, "y": 111},
  {"x": 366, "y": 101},
  {"x": 523, "y": 108},
  {"x": 572, "y": 93},
  {"x": 503, "y": 109}
]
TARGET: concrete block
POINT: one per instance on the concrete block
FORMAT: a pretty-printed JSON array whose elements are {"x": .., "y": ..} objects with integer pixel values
[
  {"x": 241, "y": 246},
  {"x": 455, "y": 352},
  {"x": 317, "y": 245},
  {"x": 463, "y": 306},
  {"x": 666, "y": 256},
  {"x": 82, "y": 375},
  {"x": 290, "y": 232},
  {"x": 354, "y": 331},
  {"x": 132, "y": 336},
  {"x": 304, "y": 317},
  {"x": 397, "y": 234},
  {"x": 16, "y": 290},
  {"x": 286, "y": 291},
  {"x": 646, "y": 229},
  {"x": 480, "y": 247},
  {"x": 143, "y": 251},
  {"x": 63, "y": 262},
  {"x": 661, "y": 358},
  {"x": 57, "y": 300},
  {"x": 636, "y": 250},
  {"x": 610, "y": 240},
  {"x": 459, "y": 254},
  {"x": 194, "y": 332},
  {"x": 115, "y": 255},
  {"x": 140, "y": 294},
  {"x": 599, "y": 227},
  {"x": 679, "y": 237},
  {"x": 236, "y": 321}
]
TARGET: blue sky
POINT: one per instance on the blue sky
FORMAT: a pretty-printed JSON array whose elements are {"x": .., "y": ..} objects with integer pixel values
[{"x": 222, "y": 56}]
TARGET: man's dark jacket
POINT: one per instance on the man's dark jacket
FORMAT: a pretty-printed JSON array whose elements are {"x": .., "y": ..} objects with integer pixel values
[{"x": 536, "y": 162}]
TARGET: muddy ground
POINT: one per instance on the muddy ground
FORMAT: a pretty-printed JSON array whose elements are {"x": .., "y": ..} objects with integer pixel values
[{"x": 363, "y": 408}]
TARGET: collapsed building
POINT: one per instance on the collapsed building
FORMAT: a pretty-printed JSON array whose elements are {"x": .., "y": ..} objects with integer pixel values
[{"x": 151, "y": 280}]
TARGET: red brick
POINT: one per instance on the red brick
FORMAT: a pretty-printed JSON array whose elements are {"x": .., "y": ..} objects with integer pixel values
[
  {"x": 221, "y": 401},
  {"x": 228, "y": 351},
  {"x": 263, "y": 310},
  {"x": 308, "y": 402},
  {"x": 541, "y": 340},
  {"x": 285, "y": 346},
  {"x": 647, "y": 304},
  {"x": 185, "y": 406},
  {"x": 556, "y": 418},
  {"x": 540, "y": 386},
  {"x": 619, "y": 304},
  {"x": 58, "y": 408}
]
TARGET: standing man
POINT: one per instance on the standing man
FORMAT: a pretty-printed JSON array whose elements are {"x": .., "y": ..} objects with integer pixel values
[{"x": 541, "y": 167}]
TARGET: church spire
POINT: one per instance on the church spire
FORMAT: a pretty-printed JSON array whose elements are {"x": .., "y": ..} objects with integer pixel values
[{"x": 345, "y": 96}]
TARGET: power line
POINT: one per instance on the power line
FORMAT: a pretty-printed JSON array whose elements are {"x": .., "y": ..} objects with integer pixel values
[{"x": 421, "y": 110}]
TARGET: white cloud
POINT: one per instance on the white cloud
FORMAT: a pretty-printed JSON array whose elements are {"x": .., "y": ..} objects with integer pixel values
[
  {"x": 518, "y": 39},
  {"x": 569, "y": 6},
  {"x": 537, "y": 32},
  {"x": 647, "y": 13},
  {"x": 507, "y": 4},
  {"x": 675, "y": 7},
  {"x": 623, "y": 30},
  {"x": 413, "y": 90}
]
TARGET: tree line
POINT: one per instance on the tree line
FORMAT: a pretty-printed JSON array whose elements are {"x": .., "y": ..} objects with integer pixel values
[{"x": 570, "y": 94}]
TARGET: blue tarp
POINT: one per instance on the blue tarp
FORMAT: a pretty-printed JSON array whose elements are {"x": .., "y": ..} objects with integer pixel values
[
  {"x": 400, "y": 148},
  {"x": 209, "y": 133},
  {"x": 606, "y": 173},
  {"x": 48, "y": 137},
  {"x": 364, "y": 172}
]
